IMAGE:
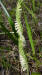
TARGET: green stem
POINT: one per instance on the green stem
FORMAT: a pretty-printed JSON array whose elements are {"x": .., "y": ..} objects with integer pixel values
[
  {"x": 33, "y": 5},
  {"x": 21, "y": 39}
]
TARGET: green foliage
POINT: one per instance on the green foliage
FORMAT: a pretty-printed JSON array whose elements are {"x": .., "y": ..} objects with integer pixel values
[
  {"x": 9, "y": 19},
  {"x": 5, "y": 63},
  {"x": 35, "y": 73},
  {"x": 33, "y": 5},
  {"x": 0, "y": 15},
  {"x": 17, "y": 37},
  {"x": 29, "y": 34},
  {"x": 13, "y": 26},
  {"x": 9, "y": 34},
  {"x": 5, "y": 48},
  {"x": 31, "y": 12}
]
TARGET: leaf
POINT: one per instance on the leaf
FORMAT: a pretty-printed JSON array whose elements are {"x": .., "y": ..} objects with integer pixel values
[
  {"x": 32, "y": 13},
  {"x": 29, "y": 34},
  {"x": 33, "y": 5},
  {"x": 9, "y": 34},
  {"x": 9, "y": 19},
  {"x": 35, "y": 73}
]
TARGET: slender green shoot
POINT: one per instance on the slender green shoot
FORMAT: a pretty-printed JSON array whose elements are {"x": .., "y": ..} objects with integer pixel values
[
  {"x": 9, "y": 19},
  {"x": 29, "y": 34},
  {"x": 33, "y": 5},
  {"x": 9, "y": 34},
  {"x": 4, "y": 48},
  {"x": 31, "y": 12},
  {"x": 35, "y": 73}
]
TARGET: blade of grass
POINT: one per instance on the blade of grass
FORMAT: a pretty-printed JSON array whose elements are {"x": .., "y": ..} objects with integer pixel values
[
  {"x": 5, "y": 63},
  {"x": 29, "y": 34},
  {"x": 33, "y": 5},
  {"x": 9, "y": 34},
  {"x": 5, "y": 48},
  {"x": 35, "y": 73},
  {"x": 31, "y": 12},
  {"x": 9, "y": 19}
]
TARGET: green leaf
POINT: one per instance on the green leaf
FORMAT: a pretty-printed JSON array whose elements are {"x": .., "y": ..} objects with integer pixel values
[
  {"x": 35, "y": 73},
  {"x": 29, "y": 34},
  {"x": 9, "y": 19},
  {"x": 14, "y": 39},
  {"x": 33, "y": 5},
  {"x": 31, "y": 12},
  {"x": 4, "y": 48}
]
